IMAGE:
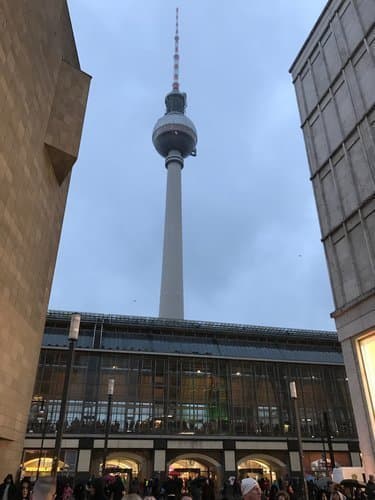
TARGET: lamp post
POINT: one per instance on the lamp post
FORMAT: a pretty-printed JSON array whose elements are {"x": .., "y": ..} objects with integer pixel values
[
  {"x": 293, "y": 395},
  {"x": 324, "y": 454},
  {"x": 111, "y": 388},
  {"x": 73, "y": 336},
  {"x": 329, "y": 440},
  {"x": 42, "y": 419}
]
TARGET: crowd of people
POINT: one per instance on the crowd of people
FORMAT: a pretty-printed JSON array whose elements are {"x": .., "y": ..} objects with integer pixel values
[
  {"x": 113, "y": 487},
  {"x": 250, "y": 489}
]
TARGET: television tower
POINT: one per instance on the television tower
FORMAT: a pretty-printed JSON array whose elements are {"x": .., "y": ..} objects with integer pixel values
[{"x": 174, "y": 137}]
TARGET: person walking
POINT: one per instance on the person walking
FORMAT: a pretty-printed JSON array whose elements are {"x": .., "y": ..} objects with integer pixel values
[
  {"x": 67, "y": 492},
  {"x": 208, "y": 489},
  {"x": 370, "y": 487},
  {"x": 44, "y": 488},
  {"x": 274, "y": 489},
  {"x": 79, "y": 491},
  {"x": 196, "y": 487},
  {"x": 231, "y": 489},
  {"x": 96, "y": 490},
  {"x": 117, "y": 488},
  {"x": 8, "y": 491},
  {"x": 24, "y": 491},
  {"x": 282, "y": 495},
  {"x": 250, "y": 489}
]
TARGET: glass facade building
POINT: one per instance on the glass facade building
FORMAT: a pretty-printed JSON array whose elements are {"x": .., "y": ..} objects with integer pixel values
[{"x": 185, "y": 386}]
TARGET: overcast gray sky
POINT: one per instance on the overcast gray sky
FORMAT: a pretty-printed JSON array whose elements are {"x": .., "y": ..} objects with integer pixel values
[{"x": 252, "y": 250}]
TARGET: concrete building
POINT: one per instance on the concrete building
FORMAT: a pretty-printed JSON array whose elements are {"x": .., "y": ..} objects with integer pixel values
[
  {"x": 334, "y": 78},
  {"x": 190, "y": 396},
  {"x": 43, "y": 97}
]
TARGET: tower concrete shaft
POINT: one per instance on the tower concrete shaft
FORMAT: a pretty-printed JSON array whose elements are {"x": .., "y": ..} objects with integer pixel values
[{"x": 172, "y": 291}]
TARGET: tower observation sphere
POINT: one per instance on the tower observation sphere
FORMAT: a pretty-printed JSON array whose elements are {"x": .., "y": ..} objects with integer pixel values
[{"x": 175, "y": 131}]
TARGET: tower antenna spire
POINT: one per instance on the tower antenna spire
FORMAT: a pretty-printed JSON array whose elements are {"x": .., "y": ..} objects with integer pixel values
[{"x": 176, "y": 57}]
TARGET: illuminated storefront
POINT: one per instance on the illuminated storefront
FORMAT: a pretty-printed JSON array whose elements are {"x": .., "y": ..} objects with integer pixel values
[{"x": 367, "y": 352}]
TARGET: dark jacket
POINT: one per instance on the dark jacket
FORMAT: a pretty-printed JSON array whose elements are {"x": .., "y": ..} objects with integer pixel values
[
  {"x": 97, "y": 490},
  {"x": 370, "y": 490},
  {"x": 12, "y": 490}
]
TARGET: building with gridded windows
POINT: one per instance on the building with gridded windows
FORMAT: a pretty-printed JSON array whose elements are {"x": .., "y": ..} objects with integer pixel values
[
  {"x": 190, "y": 396},
  {"x": 334, "y": 79}
]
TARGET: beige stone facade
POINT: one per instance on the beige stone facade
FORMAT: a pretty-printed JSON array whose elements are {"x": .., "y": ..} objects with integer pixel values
[
  {"x": 43, "y": 96},
  {"x": 334, "y": 78}
]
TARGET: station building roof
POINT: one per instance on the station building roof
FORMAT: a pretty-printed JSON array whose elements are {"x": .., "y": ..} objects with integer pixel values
[{"x": 158, "y": 336}]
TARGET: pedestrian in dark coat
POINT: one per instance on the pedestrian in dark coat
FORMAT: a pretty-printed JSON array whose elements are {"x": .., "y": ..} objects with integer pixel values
[
  {"x": 118, "y": 488},
  {"x": 79, "y": 492},
  {"x": 8, "y": 491},
  {"x": 96, "y": 490},
  {"x": 231, "y": 489},
  {"x": 208, "y": 490},
  {"x": 370, "y": 487}
]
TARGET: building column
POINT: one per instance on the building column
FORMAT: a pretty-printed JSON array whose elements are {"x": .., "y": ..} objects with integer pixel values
[
  {"x": 84, "y": 461},
  {"x": 294, "y": 460},
  {"x": 85, "y": 446},
  {"x": 159, "y": 461},
  {"x": 230, "y": 463}
]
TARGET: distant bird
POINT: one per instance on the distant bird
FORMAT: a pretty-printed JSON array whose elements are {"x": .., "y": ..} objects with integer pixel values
[{"x": 299, "y": 255}]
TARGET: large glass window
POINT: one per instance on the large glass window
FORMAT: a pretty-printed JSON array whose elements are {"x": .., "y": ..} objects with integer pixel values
[{"x": 192, "y": 395}]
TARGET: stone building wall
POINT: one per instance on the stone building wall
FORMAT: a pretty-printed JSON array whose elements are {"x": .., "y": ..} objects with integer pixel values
[
  {"x": 43, "y": 96},
  {"x": 334, "y": 78}
]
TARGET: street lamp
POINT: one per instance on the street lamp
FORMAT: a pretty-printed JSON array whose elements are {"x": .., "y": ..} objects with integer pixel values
[
  {"x": 42, "y": 419},
  {"x": 73, "y": 336},
  {"x": 293, "y": 395},
  {"x": 324, "y": 454},
  {"x": 329, "y": 440},
  {"x": 110, "y": 390}
]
